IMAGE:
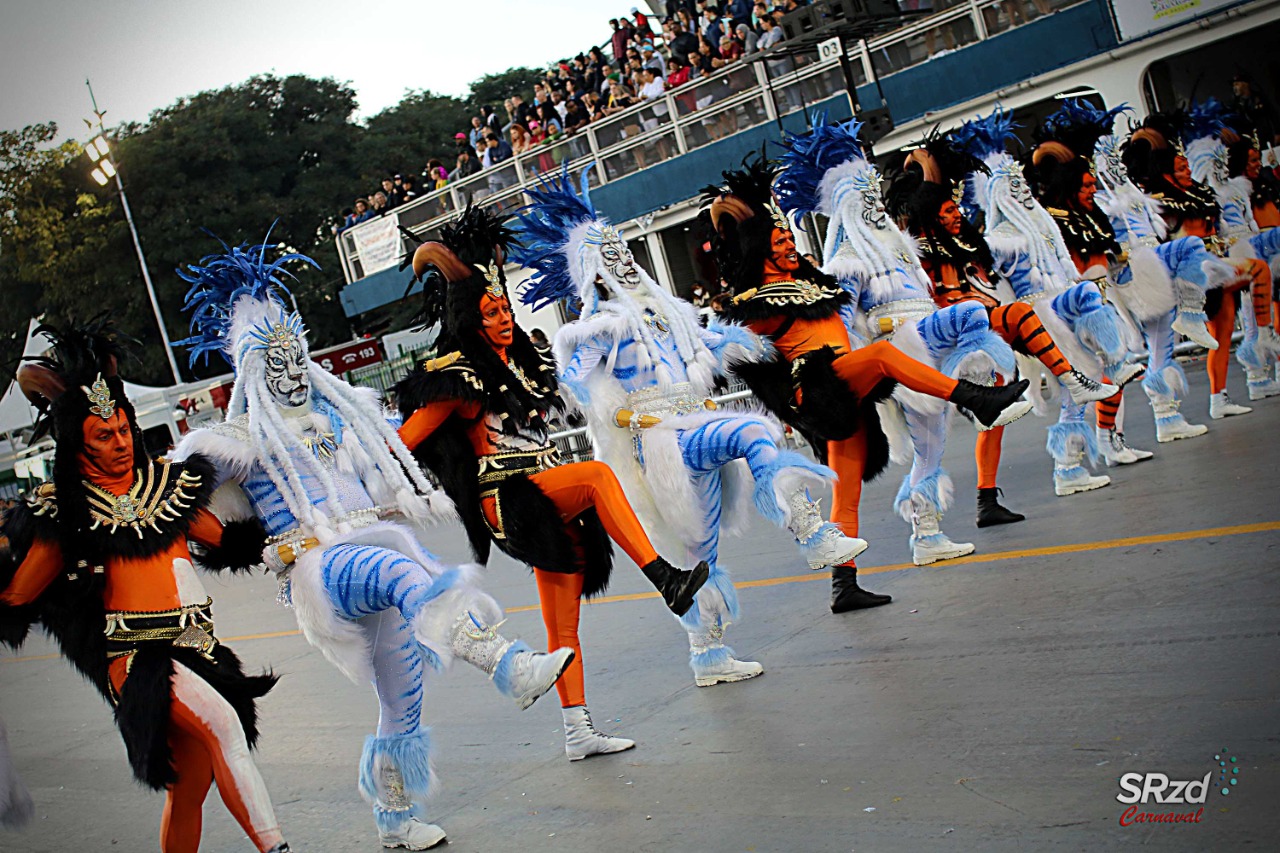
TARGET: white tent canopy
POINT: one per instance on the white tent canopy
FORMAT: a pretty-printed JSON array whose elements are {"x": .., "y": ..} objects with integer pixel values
[{"x": 16, "y": 413}]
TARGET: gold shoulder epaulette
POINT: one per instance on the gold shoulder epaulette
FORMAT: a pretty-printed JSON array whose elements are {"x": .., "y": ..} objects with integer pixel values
[
  {"x": 43, "y": 500},
  {"x": 441, "y": 362}
]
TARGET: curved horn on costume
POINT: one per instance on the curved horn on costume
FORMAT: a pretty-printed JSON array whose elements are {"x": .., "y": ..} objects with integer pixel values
[
  {"x": 928, "y": 164},
  {"x": 730, "y": 205},
  {"x": 1154, "y": 138},
  {"x": 441, "y": 257},
  {"x": 41, "y": 385},
  {"x": 1228, "y": 136},
  {"x": 1052, "y": 150}
]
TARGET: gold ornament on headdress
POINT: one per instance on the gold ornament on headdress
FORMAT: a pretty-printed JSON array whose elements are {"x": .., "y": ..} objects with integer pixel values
[
  {"x": 100, "y": 402},
  {"x": 494, "y": 287},
  {"x": 780, "y": 220}
]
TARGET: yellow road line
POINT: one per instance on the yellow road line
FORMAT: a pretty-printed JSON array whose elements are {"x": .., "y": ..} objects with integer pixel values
[{"x": 1084, "y": 547}]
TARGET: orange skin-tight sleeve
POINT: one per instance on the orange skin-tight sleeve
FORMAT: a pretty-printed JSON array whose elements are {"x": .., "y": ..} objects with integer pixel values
[
  {"x": 37, "y": 571},
  {"x": 429, "y": 418}
]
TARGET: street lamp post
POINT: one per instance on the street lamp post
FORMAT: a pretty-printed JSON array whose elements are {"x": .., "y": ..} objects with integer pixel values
[{"x": 104, "y": 170}]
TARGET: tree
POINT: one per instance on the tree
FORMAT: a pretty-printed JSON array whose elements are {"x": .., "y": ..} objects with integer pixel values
[
  {"x": 493, "y": 89},
  {"x": 53, "y": 239},
  {"x": 271, "y": 154},
  {"x": 402, "y": 138}
]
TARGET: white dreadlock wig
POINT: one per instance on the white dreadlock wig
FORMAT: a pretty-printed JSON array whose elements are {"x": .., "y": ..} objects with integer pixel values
[
  {"x": 560, "y": 237},
  {"x": 827, "y": 172},
  {"x": 238, "y": 311}
]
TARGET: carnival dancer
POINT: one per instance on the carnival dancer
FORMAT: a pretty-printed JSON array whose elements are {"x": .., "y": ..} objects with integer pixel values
[
  {"x": 816, "y": 381},
  {"x": 100, "y": 558},
  {"x": 827, "y": 173},
  {"x": 1152, "y": 253},
  {"x": 1063, "y": 180},
  {"x": 1156, "y": 162},
  {"x": 1253, "y": 250},
  {"x": 640, "y": 365},
  {"x": 1029, "y": 253},
  {"x": 959, "y": 265},
  {"x": 323, "y": 469},
  {"x": 475, "y": 416}
]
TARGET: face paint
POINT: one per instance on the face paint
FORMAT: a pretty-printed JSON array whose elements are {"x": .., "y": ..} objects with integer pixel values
[
  {"x": 497, "y": 326},
  {"x": 108, "y": 447},
  {"x": 1021, "y": 192},
  {"x": 873, "y": 211},
  {"x": 619, "y": 261},
  {"x": 783, "y": 260},
  {"x": 286, "y": 376},
  {"x": 1088, "y": 189},
  {"x": 1253, "y": 165},
  {"x": 949, "y": 217},
  {"x": 1182, "y": 172}
]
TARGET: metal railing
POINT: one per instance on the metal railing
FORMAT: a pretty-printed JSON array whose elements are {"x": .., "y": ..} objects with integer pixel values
[{"x": 741, "y": 96}]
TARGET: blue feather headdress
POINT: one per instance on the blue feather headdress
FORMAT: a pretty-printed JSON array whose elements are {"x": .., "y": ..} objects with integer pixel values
[
  {"x": 985, "y": 137},
  {"x": 1206, "y": 119},
  {"x": 220, "y": 281},
  {"x": 1079, "y": 125},
  {"x": 809, "y": 156},
  {"x": 543, "y": 229}
]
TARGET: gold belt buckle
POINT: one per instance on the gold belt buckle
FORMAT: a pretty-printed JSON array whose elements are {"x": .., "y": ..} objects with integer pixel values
[
  {"x": 885, "y": 325},
  {"x": 195, "y": 637}
]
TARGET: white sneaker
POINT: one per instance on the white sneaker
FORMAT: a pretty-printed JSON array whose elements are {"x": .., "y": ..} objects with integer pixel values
[
  {"x": 1194, "y": 331},
  {"x": 1008, "y": 415},
  {"x": 581, "y": 739},
  {"x": 1068, "y": 481},
  {"x": 1114, "y": 450},
  {"x": 1221, "y": 406},
  {"x": 534, "y": 673},
  {"x": 1085, "y": 390},
  {"x": 414, "y": 835},
  {"x": 830, "y": 547},
  {"x": 727, "y": 672},
  {"x": 1126, "y": 372}
]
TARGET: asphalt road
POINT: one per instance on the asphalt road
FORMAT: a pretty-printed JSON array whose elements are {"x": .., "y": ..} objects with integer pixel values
[{"x": 992, "y": 706}]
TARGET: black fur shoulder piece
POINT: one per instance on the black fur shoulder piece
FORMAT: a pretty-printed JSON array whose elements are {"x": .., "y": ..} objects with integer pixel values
[
  {"x": 159, "y": 508},
  {"x": 446, "y": 377}
]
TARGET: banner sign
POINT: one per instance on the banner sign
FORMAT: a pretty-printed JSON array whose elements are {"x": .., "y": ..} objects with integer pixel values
[
  {"x": 377, "y": 243},
  {"x": 1136, "y": 18},
  {"x": 338, "y": 360}
]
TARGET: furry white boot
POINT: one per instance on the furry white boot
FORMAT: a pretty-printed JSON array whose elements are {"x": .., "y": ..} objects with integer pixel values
[
  {"x": 928, "y": 543},
  {"x": 412, "y": 835},
  {"x": 713, "y": 662}
]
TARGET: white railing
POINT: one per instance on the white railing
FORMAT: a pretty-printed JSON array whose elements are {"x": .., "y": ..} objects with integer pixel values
[{"x": 740, "y": 96}]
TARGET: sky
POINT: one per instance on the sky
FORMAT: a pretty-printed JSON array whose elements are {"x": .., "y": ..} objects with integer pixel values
[{"x": 144, "y": 55}]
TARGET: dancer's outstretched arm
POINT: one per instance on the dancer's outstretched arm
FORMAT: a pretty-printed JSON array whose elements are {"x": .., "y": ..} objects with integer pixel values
[{"x": 429, "y": 418}]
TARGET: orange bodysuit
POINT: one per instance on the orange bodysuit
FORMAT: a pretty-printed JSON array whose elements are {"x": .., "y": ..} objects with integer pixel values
[
  {"x": 1019, "y": 326},
  {"x": 1223, "y": 321},
  {"x": 862, "y": 370},
  {"x": 573, "y": 488},
  {"x": 206, "y": 738}
]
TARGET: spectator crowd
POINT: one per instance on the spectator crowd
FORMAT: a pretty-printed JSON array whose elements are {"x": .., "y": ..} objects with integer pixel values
[{"x": 640, "y": 62}]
